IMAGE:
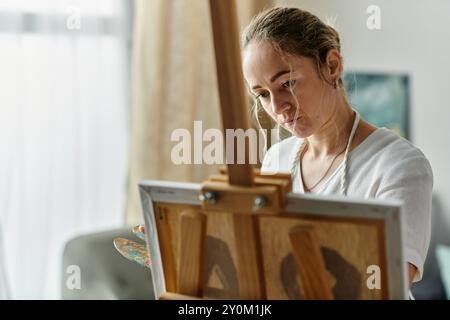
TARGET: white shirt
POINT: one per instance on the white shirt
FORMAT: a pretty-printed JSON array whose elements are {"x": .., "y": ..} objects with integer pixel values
[{"x": 383, "y": 166}]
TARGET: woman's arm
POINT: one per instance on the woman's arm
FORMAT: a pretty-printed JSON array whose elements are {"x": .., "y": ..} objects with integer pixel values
[
  {"x": 410, "y": 180},
  {"x": 412, "y": 272}
]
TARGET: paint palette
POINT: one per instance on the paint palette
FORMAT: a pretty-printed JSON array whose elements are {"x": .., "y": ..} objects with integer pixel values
[{"x": 134, "y": 251}]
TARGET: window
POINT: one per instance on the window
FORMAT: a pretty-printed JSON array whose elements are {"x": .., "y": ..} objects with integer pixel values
[{"x": 64, "y": 110}]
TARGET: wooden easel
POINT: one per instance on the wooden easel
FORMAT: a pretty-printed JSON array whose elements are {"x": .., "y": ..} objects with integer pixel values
[{"x": 242, "y": 192}]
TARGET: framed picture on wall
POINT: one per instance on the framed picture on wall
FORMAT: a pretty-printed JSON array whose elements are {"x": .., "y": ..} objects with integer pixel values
[{"x": 381, "y": 98}]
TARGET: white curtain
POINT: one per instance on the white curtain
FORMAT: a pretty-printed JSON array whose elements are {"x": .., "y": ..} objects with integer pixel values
[{"x": 64, "y": 112}]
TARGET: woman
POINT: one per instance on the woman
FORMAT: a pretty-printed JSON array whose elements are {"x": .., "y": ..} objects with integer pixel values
[{"x": 293, "y": 66}]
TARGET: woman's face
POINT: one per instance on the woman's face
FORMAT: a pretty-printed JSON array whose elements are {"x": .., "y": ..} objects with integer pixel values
[{"x": 269, "y": 79}]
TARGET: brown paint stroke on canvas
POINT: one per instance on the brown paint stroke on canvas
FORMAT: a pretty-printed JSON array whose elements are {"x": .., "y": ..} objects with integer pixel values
[
  {"x": 348, "y": 278},
  {"x": 220, "y": 277}
]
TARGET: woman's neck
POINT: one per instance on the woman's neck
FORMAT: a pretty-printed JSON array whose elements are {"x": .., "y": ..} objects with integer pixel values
[{"x": 332, "y": 137}]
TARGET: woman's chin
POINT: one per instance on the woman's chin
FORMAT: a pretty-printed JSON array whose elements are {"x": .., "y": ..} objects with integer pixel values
[
  {"x": 299, "y": 128},
  {"x": 300, "y": 132},
  {"x": 301, "y": 135}
]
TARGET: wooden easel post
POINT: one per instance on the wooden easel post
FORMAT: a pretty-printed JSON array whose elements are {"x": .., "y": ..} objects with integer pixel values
[
  {"x": 231, "y": 82},
  {"x": 239, "y": 190},
  {"x": 235, "y": 116}
]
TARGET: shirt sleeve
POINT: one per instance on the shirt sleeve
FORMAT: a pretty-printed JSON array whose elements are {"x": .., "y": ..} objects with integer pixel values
[
  {"x": 410, "y": 180},
  {"x": 280, "y": 156},
  {"x": 271, "y": 161}
]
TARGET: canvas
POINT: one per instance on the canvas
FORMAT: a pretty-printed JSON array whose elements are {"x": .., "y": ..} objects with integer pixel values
[{"x": 355, "y": 236}]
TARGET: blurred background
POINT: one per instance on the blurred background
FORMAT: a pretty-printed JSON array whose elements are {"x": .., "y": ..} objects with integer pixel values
[{"x": 91, "y": 90}]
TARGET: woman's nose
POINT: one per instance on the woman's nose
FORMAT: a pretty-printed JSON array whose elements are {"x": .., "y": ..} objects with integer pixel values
[{"x": 279, "y": 106}]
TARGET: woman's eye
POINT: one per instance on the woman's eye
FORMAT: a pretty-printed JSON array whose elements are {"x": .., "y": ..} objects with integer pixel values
[
  {"x": 262, "y": 95},
  {"x": 288, "y": 84}
]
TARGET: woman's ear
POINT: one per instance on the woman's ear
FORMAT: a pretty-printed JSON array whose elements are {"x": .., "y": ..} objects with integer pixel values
[{"x": 333, "y": 65}]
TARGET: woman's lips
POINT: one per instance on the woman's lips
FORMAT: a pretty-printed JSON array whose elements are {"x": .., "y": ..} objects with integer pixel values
[{"x": 291, "y": 120}]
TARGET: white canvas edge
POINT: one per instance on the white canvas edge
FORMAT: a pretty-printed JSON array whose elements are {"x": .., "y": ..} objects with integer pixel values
[{"x": 153, "y": 249}]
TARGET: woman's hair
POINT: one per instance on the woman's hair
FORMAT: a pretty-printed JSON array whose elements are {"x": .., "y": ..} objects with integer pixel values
[{"x": 293, "y": 31}]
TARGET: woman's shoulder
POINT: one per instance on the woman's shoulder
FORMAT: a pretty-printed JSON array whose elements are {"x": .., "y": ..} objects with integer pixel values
[
  {"x": 394, "y": 145},
  {"x": 286, "y": 145},
  {"x": 280, "y": 155},
  {"x": 394, "y": 152}
]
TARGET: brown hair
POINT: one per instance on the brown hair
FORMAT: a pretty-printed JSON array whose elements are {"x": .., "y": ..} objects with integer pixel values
[{"x": 293, "y": 31}]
